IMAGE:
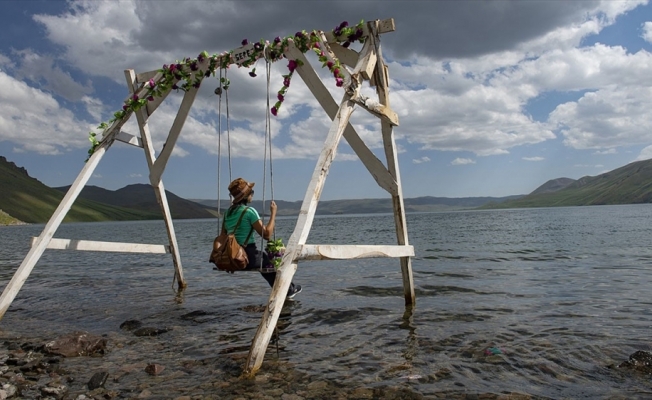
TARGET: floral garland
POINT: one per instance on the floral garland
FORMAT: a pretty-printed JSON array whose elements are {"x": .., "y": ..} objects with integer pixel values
[{"x": 189, "y": 72}]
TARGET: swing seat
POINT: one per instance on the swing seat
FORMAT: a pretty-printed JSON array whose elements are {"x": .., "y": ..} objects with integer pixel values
[{"x": 266, "y": 270}]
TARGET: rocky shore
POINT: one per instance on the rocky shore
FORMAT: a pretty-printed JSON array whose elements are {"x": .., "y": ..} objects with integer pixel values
[{"x": 83, "y": 366}]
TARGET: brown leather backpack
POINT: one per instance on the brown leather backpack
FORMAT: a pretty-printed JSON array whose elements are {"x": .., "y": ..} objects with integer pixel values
[{"x": 228, "y": 254}]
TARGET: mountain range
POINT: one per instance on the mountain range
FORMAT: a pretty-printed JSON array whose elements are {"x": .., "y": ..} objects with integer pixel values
[{"x": 24, "y": 198}]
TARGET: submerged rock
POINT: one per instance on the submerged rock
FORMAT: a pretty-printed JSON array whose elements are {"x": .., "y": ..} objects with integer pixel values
[
  {"x": 149, "y": 331},
  {"x": 640, "y": 361},
  {"x": 154, "y": 369},
  {"x": 131, "y": 324},
  {"x": 76, "y": 344}
]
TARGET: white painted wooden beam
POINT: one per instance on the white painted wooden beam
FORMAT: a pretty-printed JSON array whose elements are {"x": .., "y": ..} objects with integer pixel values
[
  {"x": 376, "y": 108},
  {"x": 129, "y": 139},
  {"x": 159, "y": 190},
  {"x": 347, "y": 252},
  {"x": 32, "y": 257},
  {"x": 381, "y": 76},
  {"x": 302, "y": 229},
  {"x": 346, "y": 56},
  {"x": 375, "y": 167},
  {"x": 367, "y": 60},
  {"x": 90, "y": 245},
  {"x": 156, "y": 171}
]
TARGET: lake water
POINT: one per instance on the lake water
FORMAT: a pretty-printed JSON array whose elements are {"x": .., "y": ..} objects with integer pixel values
[{"x": 559, "y": 294}]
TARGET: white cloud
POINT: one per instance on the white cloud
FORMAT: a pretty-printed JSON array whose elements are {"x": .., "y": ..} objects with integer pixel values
[
  {"x": 645, "y": 154},
  {"x": 533, "y": 158},
  {"x": 462, "y": 161},
  {"x": 36, "y": 122},
  {"x": 135, "y": 175},
  {"x": 605, "y": 152},
  {"x": 421, "y": 160},
  {"x": 647, "y": 31}
]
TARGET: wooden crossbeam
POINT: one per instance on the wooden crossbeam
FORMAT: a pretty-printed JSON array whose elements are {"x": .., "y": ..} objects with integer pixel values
[
  {"x": 158, "y": 166},
  {"x": 347, "y": 252},
  {"x": 128, "y": 138},
  {"x": 90, "y": 245}
]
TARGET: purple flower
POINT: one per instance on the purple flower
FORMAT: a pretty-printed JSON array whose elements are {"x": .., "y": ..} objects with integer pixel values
[
  {"x": 252, "y": 73},
  {"x": 336, "y": 72},
  {"x": 175, "y": 87},
  {"x": 151, "y": 83},
  {"x": 193, "y": 66},
  {"x": 277, "y": 39},
  {"x": 196, "y": 84},
  {"x": 330, "y": 65},
  {"x": 280, "y": 97},
  {"x": 179, "y": 66},
  {"x": 165, "y": 66},
  {"x": 315, "y": 45},
  {"x": 173, "y": 67},
  {"x": 292, "y": 65},
  {"x": 337, "y": 32},
  {"x": 346, "y": 44},
  {"x": 339, "y": 82},
  {"x": 286, "y": 82},
  {"x": 258, "y": 46},
  {"x": 150, "y": 98},
  {"x": 207, "y": 74},
  {"x": 134, "y": 97},
  {"x": 245, "y": 42},
  {"x": 274, "y": 111},
  {"x": 299, "y": 34},
  {"x": 200, "y": 57},
  {"x": 344, "y": 24},
  {"x": 125, "y": 107}
]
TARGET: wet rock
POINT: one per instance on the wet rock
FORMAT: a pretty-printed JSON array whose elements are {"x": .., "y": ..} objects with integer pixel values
[
  {"x": 3, "y": 395},
  {"x": 640, "y": 361},
  {"x": 9, "y": 389},
  {"x": 149, "y": 331},
  {"x": 154, "y": 369},
  {"x": 76, "y": 344},
  {"x": 97, "y": 380},
  {"x": 363, "y": 393},
  {"x": 56, "y": 391},
  {"x": 130, "y": 325}
]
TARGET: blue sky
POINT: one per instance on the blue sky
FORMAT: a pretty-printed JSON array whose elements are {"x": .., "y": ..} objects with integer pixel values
[{"x": 494, "y": 97}]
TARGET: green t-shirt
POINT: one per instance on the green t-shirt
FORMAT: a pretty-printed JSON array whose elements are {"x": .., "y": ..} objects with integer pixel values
[{"x": 246, "y": 225}]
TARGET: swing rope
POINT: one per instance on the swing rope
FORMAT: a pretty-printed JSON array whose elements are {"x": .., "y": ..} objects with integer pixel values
[
  {"x": 218, "y": 92},
  {"x": 268, "y": 141}
]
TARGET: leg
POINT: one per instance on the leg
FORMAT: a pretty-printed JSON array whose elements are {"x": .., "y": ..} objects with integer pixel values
[{"x": 254, "y": 263}]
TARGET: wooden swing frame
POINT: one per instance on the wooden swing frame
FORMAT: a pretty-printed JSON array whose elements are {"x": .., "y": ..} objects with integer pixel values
[{"x": 366, "y": 65}]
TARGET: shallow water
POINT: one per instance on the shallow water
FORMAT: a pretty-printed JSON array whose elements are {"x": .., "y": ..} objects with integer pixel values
[{"x": 559, "y": 294}]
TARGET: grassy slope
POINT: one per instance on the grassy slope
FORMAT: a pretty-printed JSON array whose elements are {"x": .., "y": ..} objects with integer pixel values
[
  {"x": 29, "y": 200},
  {"x": 630, "y": 184}
]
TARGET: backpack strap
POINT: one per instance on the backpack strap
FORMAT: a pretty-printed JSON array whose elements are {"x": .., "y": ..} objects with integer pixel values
[{"x": 240, "y": 220}]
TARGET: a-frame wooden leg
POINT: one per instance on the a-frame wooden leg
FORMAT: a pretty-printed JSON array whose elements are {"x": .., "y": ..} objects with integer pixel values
[
  {"x": 159, "y": 189},
  {"x": 35, "y": 253},
  {"x": 382, "y": 88},
  {"x": 298, "y": 238}
]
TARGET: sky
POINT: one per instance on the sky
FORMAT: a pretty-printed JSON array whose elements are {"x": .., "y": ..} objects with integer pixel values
[{"x": 494, "y": 98}]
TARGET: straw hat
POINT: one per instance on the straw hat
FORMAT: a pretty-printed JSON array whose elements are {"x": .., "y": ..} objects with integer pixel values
[{"x": 240, "y": 189}]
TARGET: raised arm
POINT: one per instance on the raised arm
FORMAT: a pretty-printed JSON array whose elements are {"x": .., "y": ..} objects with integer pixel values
[{"x": 266, "y": 230}]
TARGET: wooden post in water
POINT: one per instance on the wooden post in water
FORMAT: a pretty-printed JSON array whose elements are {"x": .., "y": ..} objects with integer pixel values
[{"x": 156, "y": 169}]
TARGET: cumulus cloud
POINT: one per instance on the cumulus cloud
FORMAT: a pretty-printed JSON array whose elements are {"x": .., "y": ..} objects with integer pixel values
[
  {"x": 647, "y": 31},
  {"x": 462, "y": 161},
  {"x": 469, "y": 92},
  {"x": 36, "y": 122}
]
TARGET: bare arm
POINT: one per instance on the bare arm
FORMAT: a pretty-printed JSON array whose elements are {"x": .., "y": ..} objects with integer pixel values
[{"x": 266, "y": 230}]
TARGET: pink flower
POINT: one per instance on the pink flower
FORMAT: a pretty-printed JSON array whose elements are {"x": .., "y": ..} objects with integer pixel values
[
  {"x": 286, "y": 82},
  {"x": 330, "y": 65},
  {"x": 336, "y": 72},
  {"x": 339, "y": 82},
  {"x": 151, "y": 83},
  {"x": 280, "y": 97},
  {"x": 315, "y": 46},
  {"x": 274, "y": 111}
]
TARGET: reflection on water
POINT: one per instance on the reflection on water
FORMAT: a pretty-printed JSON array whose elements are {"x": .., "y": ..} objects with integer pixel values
[{"x": 538, "y": 302}]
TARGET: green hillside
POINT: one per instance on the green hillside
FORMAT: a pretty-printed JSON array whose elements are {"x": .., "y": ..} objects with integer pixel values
[
  {"x": 28, "y": 200},
  {"x": 631, "y": 184}
]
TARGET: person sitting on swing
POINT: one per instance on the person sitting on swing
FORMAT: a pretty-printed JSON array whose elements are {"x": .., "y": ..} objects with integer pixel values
[{"x": 242, "y": 193}]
